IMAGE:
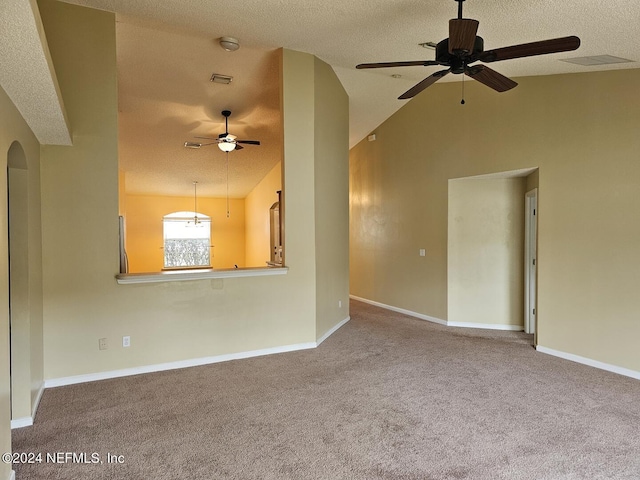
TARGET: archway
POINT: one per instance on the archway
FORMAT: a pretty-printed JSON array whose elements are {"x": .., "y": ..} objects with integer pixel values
[{"x": 19, "y": 317}]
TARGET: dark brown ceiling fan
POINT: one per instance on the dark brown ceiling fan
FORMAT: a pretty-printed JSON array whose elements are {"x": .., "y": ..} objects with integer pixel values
[
  {"x": 225, "y": 141},
  {"x": 464, "y": 47}
]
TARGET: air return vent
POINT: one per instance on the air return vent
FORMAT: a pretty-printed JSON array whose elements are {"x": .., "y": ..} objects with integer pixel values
[{"x": 596, "y": 60}]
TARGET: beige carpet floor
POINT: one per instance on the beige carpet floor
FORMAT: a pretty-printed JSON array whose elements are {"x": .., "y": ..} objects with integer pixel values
[{"x": 385, "y": 397}]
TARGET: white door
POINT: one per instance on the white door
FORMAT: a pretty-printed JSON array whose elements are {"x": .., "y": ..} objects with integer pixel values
[{"x": 530, "y": 269}]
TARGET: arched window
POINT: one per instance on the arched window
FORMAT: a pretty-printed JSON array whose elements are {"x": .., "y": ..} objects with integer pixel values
[{"x": 187, "y": 240}]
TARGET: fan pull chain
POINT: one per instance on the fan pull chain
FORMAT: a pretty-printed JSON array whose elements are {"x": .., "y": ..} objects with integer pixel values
[
  {"x": 462, "y": 101},
  {"x": 227, "y": 184}
]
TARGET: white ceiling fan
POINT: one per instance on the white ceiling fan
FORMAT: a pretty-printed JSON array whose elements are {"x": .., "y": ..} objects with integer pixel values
[{"x": 225, "y": 141}]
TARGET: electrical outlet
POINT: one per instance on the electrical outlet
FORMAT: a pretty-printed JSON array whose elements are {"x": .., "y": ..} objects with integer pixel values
[
  {"x": 102, "y": 344},
  {"x": 339, "y": 303},
  {"x": 423, "y": 252},
  {"x": 126, "y": 341}
]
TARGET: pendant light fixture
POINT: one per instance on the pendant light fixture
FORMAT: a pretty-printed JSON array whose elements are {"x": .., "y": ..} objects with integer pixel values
[{"x": 196, "y": 222}]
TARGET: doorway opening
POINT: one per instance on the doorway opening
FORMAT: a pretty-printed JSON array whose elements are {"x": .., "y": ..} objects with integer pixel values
[{"x": 487, "y": 231}]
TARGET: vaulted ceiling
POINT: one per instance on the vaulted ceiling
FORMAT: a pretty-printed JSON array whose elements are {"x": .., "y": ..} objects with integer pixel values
[{"x": 167, "y": 50}]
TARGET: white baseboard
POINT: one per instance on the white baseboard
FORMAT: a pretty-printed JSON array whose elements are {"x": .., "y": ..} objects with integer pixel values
[
  {"x": 400, "y": 310},
  {"x": 487, "y": 326},
  {"x": 21, "y": 422},
  {"x": 195, "y": 362},
  {"x": 28, "y": 421},
  {"x": 590, "y": 362},
  {"x": 36, "y": 404},
  {"x": 12, "y": 476},
  {"x": 332, "y": 331}
]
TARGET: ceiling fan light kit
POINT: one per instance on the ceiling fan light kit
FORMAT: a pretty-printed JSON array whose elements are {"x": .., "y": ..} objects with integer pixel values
[
  {"x": 227, "y": 146},
  {"x": 225, "y": 141},
  {"x": 464, "y": 47}
]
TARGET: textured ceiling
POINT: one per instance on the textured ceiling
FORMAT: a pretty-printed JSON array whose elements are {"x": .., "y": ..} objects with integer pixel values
[
  {"x": 341, "y": 33},
  {"x": 26, "y": 72},
  {"x": 166, "y": 98}
]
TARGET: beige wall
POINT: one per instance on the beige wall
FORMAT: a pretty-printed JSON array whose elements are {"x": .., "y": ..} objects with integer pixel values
[
  {"x": 145, "y": 239},
  {"x": 18, "y": 185},
  {"x": 170, "y": 321},
  {"x": 485, "y": 251},
  {"x": 80, "y": 185},
  {"x": 257, "y": 219},
  {"x": 331, "y": 186},
  {"x": 533, "y": 180},
  {"x": 585, "y": 144},
  {"x": 27, "y": 369}
]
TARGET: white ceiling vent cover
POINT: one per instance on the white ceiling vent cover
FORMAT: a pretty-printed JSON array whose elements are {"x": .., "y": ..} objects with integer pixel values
[{"x": 596, "y": 60}]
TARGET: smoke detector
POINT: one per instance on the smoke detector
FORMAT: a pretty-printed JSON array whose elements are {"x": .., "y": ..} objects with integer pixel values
[{"x": 230, "y": 44}]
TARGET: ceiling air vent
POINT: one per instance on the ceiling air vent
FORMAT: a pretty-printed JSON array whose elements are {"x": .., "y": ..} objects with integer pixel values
[
  {"x": 217, "y": 78},
  {"x": 596, "y": 60}
]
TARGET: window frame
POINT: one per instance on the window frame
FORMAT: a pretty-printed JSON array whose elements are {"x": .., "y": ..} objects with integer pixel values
[{"x": 187, "y": 219}]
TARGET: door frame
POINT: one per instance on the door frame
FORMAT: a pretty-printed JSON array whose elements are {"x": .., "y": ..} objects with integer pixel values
[{"x": 530, "y": 263}]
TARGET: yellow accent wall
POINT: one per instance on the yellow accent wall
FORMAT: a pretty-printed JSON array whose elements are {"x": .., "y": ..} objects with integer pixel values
[
  {"x": 122, "y": 192},
  {"x": 144, "y": 237},
  {"x": 242, "y": 239},
  {"x": 257, "y": 219},
  {"x": 581, "y": 131}
]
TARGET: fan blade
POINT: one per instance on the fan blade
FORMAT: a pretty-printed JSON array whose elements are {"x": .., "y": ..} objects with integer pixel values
[
  {"x": 198, "y": 145},
  {"x": 490, "y": 78},
  {"x": 223, "y": 137},
  {"x": 430, "y": 80},
  {"x": 564, "y": 44},
  {"x": 207, "y": 138},
  {"x": 249, "y": 142},
  {"x": 418, "y": 63},
  {"x": 462, "y": 35},
  {"x": 238, "y": 147}
]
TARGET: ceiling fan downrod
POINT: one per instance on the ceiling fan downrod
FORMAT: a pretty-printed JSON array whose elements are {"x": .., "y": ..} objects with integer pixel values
[
  {"x": 459, "y": 8},
  {"x": 226, "y": 114}
]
